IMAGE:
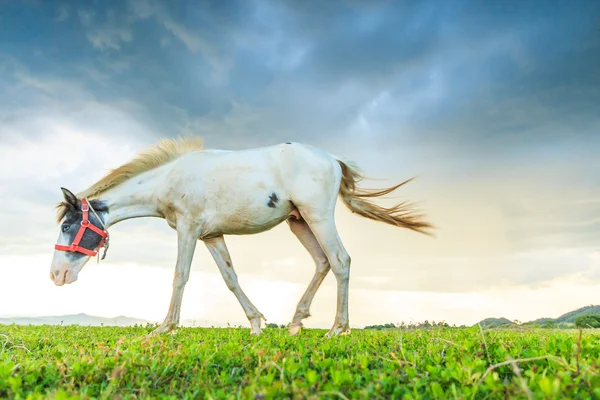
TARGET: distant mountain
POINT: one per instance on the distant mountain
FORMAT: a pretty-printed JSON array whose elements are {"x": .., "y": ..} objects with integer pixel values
[
  {"x": 567, "y": 319},
  {"x": 76, "y": 319},
  {"x": 573, "y": 315},
  {"x": 540, "y": 321},
  {"x": 494, "y": 322}
]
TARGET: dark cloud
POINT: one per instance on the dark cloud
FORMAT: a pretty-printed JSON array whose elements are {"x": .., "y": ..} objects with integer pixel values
[{"x": 455, "y": 74}]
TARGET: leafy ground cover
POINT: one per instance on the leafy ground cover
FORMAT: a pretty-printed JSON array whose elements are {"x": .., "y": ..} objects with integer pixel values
[{"x": 109, "y": 362}]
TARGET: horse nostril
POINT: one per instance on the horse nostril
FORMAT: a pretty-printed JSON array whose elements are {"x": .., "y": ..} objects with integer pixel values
[{"x": 54, "y": 274}]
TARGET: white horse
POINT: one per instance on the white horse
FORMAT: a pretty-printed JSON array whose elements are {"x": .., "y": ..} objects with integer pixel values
[{"x": 206, "y": 194}]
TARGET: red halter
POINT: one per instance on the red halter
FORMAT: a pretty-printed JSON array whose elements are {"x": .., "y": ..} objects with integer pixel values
[{"x": 85, "y": 224}]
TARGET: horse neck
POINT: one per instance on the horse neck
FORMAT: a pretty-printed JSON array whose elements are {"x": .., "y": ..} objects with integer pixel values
[{"x": 134, "y": 198}]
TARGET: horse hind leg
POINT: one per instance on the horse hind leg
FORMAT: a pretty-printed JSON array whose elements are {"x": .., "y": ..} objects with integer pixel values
[
  {"x": 339, "y": 259},
  {"x": 302, "y": 231},
  {"x": 315, "y": 199},
  {"x": 321, "y": 222}
]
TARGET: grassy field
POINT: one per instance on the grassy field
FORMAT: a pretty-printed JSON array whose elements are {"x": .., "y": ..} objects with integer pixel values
[{"x": 89, "y": 362}]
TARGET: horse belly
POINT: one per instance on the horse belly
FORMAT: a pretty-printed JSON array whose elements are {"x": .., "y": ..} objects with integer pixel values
[
  {"x": 247, "y": 206},
  {"x": 247, "y": 220}
]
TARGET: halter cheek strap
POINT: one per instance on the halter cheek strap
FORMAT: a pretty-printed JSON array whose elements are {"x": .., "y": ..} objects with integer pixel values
[{"x": 85, "y": 224}]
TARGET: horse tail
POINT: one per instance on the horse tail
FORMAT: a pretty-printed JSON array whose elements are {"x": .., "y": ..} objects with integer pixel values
[{"x": 355, "y": 198}]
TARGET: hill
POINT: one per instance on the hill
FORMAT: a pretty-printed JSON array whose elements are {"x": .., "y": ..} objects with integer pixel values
[
  {"x": 76, "y": 319},
  {"x": 567, "y": 319},
  {"x": 540, "y": 321},
  {"x": 573, "y": 315},
  {"x": 494, "y": 322}
]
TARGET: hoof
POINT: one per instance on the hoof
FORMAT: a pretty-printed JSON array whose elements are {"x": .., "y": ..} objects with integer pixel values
[
  {"x": 338, "y": 331},
  {"x": 255, "y": 325},
  {"x": 295, "y": 329},
  {"x": 168, "y": 328}
]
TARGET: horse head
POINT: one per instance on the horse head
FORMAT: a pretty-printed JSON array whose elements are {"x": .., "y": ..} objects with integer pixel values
[{"x": 82, "y": 234}]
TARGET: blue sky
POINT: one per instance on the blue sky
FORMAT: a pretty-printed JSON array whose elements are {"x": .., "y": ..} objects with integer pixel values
[{"x": 494, "y": 105}]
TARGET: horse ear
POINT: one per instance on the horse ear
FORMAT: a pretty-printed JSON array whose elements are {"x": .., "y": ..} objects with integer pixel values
[{"x": 70, "y": 197}]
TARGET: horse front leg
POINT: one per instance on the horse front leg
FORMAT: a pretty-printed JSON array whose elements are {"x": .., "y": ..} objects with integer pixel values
[{"x": 186, "y": 245}]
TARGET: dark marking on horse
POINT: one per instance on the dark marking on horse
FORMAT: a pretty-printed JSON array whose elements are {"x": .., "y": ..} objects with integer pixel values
[
  {"x": 288, "y": 142},
  {"x": 228, "y": 264},
  {"x": 273, "y": 199},
  {"x": 183, "y": 195}
]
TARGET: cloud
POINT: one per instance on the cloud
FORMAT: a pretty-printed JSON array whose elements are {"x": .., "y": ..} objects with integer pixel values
[
  {"x": 107, "y": 38},
  {"x": 63, "y": 13},
  {"x": 86, "y": 17},
  {"x": 109, "y": 34},
  {"x": 192, "y": 42}
]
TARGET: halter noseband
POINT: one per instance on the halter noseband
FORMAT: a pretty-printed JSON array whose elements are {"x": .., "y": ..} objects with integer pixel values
[{"x": 85, "y": 224}]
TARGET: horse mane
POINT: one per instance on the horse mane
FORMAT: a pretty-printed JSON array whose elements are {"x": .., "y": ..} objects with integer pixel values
[{"x": 163, "y": 152}]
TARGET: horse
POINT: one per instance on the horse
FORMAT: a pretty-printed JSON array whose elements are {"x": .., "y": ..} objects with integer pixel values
[{"x": 205, "y": 194}]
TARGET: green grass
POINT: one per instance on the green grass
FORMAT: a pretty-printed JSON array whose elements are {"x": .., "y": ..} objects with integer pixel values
[{"x": 88, "y": 362}]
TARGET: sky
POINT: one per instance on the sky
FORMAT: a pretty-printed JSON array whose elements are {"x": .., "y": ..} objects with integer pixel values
[{"x": 493, "y": 106}]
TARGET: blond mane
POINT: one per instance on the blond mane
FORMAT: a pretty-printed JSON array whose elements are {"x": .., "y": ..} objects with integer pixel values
[{"x": 163, "y": 152}]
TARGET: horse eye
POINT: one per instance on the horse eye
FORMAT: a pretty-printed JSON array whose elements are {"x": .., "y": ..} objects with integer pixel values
[{"x": 65, "y": 228}]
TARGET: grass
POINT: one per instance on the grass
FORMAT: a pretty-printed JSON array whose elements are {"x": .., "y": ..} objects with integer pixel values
[{"x": 109, "y": 362}]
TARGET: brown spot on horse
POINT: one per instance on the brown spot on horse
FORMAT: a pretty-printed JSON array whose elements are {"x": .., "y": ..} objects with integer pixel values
[{"x": 273, "y": 200}]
